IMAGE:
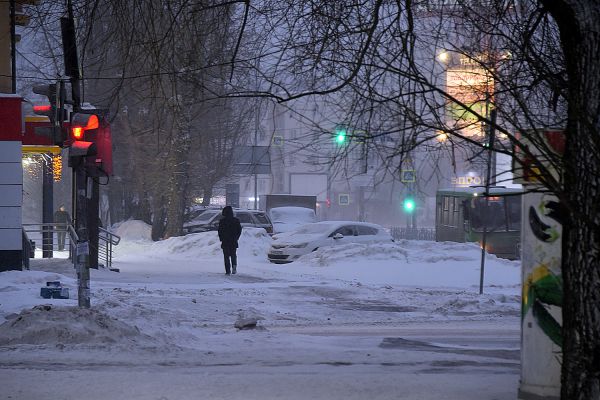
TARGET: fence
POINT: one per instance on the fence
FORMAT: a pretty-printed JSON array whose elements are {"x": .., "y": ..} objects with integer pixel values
[
  {"x": 62, "y": 238},
  {"x": 413, "y": 233}
]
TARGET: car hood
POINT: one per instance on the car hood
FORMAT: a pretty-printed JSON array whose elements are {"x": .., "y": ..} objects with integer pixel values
[
  {"x": 287, "y": 238},
  {"x": 284, "y": 227}
]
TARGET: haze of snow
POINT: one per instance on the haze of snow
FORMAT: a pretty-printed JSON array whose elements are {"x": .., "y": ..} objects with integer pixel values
[{"x": 163, "y": 328}]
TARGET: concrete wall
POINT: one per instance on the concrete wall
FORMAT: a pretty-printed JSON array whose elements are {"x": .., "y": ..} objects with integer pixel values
[{"x": 11, "y": 188}]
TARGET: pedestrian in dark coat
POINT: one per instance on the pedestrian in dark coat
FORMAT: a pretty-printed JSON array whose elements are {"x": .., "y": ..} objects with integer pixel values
[
  {"x": 62, "y": 220},
  {"x": 230, "y": 230}
]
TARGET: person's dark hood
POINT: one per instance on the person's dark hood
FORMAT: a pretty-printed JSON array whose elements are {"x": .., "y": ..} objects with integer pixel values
[{"x": 227, "y": 212}]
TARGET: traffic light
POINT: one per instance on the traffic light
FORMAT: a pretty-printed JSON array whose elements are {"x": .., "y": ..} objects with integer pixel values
[
  {"x": 341, "y": 135},
  {"x": 409, "y": 205},
  {"x": 90, "y": 136},
  {"x": 80, "y": 123},
  {"x": 81, "y": 146},
  {"x": 49, "y": 110},
  {"x": 55, "y": 111}
]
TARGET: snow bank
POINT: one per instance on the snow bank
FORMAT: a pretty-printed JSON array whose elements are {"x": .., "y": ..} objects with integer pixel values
[
  {"x": 134, "y": 230},
  {"x": 355, "y": 251},
  {"x": 254, "y": 242},
  {"x": 50, "y": 325},
  {"x": 10, "y": 279}
]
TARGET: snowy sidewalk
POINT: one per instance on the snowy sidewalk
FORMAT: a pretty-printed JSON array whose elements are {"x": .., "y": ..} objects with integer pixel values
[{"x": 163, "y": 328}]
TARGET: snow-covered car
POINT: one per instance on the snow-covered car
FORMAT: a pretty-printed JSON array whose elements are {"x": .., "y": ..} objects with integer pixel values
[
  {"x": 209, "y": 220},
  {"x": 286, "y": 219},
  {"x": 289, "y": 246}
]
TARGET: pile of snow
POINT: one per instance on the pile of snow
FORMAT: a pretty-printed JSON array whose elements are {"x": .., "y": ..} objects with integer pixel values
[
  {"x": 471, "y": 305},
  {"x": 254, "y": 242},
  {"x": 50, "y": 325},
  {"x": 133, "y": 230},
  {"x": 16, "y": 279},
  {"x": 325, "y": 256}
]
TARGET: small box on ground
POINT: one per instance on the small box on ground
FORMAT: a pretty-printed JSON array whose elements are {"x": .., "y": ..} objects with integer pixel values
[{"x": 54, "y": 290}]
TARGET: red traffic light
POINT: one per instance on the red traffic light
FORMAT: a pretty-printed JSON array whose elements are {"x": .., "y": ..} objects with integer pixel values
[
  {"x": 42, "y": 109},
  {"x": 83, "y": 122},
  {"x": 77, "y": 132}
]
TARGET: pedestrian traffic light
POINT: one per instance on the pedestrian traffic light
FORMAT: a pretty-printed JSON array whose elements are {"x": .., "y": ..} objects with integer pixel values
[{"x": 409, "y": 205}]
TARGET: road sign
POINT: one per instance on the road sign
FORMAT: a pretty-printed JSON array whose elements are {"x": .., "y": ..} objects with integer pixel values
[
  {"x": 408, "y": 175},
  {"x": 344, "y": 199}
]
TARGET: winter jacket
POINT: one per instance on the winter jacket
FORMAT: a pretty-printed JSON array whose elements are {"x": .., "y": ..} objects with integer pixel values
[
  {"x": 230, "y": 230},
  {"x": 62, "y": 218}
]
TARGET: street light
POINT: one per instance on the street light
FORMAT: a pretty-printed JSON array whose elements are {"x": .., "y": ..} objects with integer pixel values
[{"x": 444, "y": 56}]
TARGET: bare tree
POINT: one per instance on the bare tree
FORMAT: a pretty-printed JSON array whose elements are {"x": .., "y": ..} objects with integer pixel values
[
  {"x": 536, "y": 64},
  {"x": 160, "y": 66}
]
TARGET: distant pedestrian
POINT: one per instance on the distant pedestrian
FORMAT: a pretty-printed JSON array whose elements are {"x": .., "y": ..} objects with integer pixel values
[
  {"x": 62, "y": 219},
  {"x": 230, "y": 230}
]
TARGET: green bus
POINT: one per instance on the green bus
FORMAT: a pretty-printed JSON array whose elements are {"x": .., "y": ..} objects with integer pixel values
[{"x": 461, "y": 216}]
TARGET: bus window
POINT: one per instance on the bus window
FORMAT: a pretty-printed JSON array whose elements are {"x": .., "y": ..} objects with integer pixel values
[
  {"x": 446, "y": 211},
  {"x": 494, "y": 217},
  {"x": 513, "y": 210}
]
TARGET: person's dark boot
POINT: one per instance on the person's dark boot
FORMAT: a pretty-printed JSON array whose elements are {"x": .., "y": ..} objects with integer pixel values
[{"x": 234, "y": 270}]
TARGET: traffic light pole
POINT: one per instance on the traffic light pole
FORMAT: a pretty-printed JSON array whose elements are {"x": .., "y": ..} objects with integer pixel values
[{"x": 82, "y": 250}]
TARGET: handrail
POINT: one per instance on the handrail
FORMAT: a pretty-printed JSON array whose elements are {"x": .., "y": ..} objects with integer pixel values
[
  {"x": 45, "y": 233},
  {"x": 106, "y": 241},
  {"x": 73, "y": 233},
  {"x": 115, "y": 239}
]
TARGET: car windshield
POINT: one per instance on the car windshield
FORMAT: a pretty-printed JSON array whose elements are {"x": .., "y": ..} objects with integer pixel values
[
  {"x": 206, "y": 216},
  {"x": 294, "y": 215},
  {"x": 262, "y": 218},
  {"x": 313, "y": 228}
]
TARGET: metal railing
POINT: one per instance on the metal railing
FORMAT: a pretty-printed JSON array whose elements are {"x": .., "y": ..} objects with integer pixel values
[
  {"x": 46, "y": 237},
  {"x": 413, "y": 233},
  {"x": 106, "y": 242},
  {"x": 28, "y": 249},
  {"x": 51, "y": 237}
]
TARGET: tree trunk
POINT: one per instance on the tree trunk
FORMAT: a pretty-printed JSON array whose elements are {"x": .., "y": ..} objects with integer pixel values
[
  {"x": 158, "y": 218},
  {"x": 206, "y": 196},
  {"x": 579, "y": 25},
  {"x": 177, "y": 186}
]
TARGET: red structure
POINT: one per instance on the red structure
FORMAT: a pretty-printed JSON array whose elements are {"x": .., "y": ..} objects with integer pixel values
[{"x": 10, "y": 117}]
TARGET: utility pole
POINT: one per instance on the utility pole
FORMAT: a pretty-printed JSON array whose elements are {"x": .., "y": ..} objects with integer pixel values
[
  {"x": 85, "y": 199},
  {"x": 254, "y": 160},
  {"x": 490, "y": 144}
]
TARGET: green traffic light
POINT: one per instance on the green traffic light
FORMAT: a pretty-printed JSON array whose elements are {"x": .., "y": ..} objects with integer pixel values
[
  {"x": 340, "y": 136},
  {"x": 409, "y": 205}
]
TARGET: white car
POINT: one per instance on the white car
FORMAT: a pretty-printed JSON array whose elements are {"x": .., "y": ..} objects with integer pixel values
[
  {"x": 289, "y": 246},
  {"x": 288, "y": 218}
]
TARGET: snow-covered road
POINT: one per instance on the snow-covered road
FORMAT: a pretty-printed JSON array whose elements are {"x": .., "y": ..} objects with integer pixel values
[{"x": 405, "y": 322}]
